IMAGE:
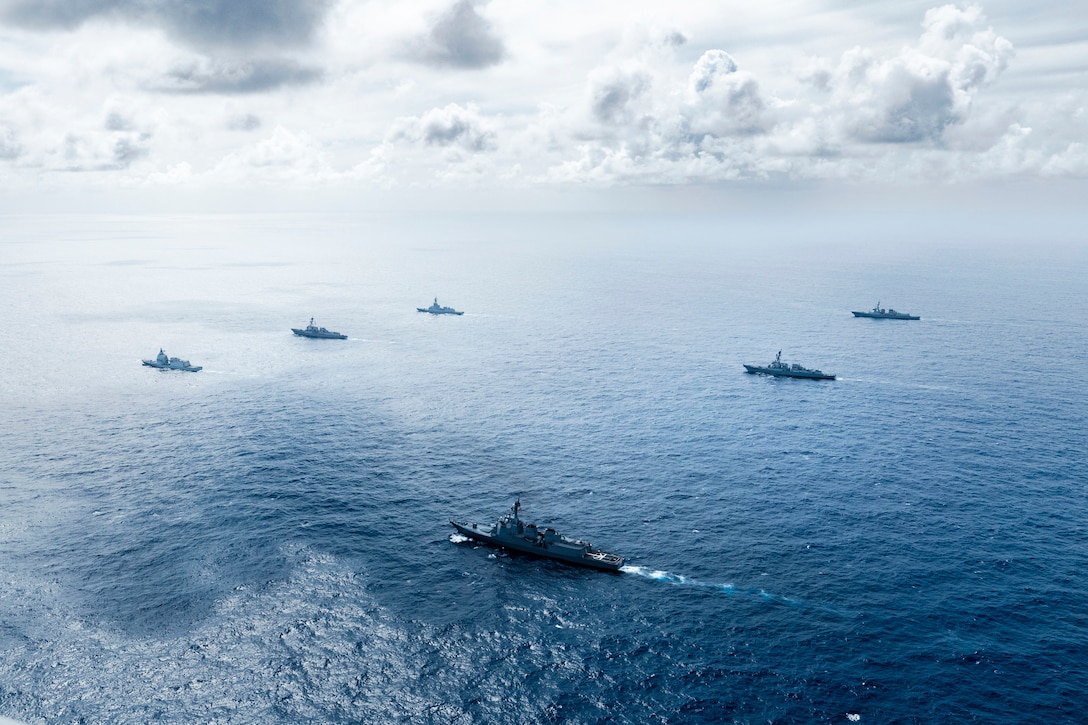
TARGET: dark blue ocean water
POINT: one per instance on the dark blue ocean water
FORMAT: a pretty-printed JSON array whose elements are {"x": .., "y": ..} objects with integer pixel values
[{"x": 267, "y": 541}]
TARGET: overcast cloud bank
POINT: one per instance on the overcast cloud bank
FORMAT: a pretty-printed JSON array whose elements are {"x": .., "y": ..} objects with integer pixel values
[{"x": 201, "y": 23}]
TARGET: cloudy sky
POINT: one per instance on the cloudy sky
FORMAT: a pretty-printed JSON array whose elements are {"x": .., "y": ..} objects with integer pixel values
[{"x": 371, "y": 97}]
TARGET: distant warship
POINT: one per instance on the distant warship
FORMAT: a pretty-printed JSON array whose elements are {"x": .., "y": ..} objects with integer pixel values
[
  {"x": 319, "y": 332},
  {"x": 437, "y": 309},
  {"x": 512, "y": 533},
  {"x": 786, "y": 370},
  {"x": 879, "y": 313},
  {"x": 163, "y": 362}
]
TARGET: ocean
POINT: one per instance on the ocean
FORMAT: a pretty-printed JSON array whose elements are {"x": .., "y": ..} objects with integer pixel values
[{"x": 268, "y": 540}]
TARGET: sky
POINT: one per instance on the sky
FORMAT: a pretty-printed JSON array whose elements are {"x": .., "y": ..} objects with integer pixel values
[{"x": 690, "y": 102}]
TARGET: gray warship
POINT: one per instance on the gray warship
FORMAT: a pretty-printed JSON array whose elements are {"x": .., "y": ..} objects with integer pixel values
[
  {"x": 512, "y": 533},
  {"x": 879, "y": 313},
  {"x": 437, "y": 309},
  {"x": 318, "y": 332},
  {"x": 786, "y": 370},
  {"x": 162, "y": 362}
]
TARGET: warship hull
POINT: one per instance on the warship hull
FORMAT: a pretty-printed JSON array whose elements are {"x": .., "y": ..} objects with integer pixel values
[
  {"x": 186, "y": 368},
  {"x": 780, "y": 373},
  {"x": 886, "y": 316},
  {"x": 437, "y": 309},
  {"x": 319, "y": 335},
  {"x": 556, "y": 551}
]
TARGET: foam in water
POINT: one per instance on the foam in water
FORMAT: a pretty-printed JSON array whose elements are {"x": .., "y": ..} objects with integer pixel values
[{"x": 681, "y": 580}]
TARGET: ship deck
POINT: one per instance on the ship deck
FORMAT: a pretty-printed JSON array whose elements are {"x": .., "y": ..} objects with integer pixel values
[{"x": 566, "y": 554}]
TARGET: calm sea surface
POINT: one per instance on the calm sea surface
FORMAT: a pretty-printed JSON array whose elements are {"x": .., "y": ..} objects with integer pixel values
[{"x": 267, "y": 541}]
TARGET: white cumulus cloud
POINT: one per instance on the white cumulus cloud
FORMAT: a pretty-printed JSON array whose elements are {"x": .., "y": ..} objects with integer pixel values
[
  {"x": 453, "y": 125},
  {"x": 283, "y": 156},
  {"x": 917, "y": 94},
  {"x": 724, "y": 100}
]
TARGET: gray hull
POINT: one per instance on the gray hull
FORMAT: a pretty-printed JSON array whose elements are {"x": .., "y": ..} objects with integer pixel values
[
  {"x": 579, "y": 556},
  {"x": 437, "y": 309},
  {"x": 778, "y": 372},
  {"x": 887, "y": 316},
  {"x": 163, "y": 361},
  {"x": 188, "y": 368},
  {"x": 319, "y": 335}
]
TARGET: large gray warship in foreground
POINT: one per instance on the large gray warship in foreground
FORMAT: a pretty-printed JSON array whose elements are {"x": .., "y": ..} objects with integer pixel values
[
  {"x": 879, "y": 313},
  {"x": 512, "y": 533},
  {"x": 786, "y": 370},
  {"x": 318, "y": 332},
  {"x": 437, "y": 309},
  {"x": 162, "y": 362}
]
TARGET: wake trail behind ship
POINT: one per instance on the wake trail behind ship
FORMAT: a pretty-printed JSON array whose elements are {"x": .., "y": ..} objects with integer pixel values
[{"x": 728, "y": 589}]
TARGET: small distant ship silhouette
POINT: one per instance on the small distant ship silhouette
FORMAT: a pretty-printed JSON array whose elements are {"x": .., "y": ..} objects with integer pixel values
[
  {"x": 512, "y": 533},
  {"x": 162, "y": 362},
  {"x": 318, "y": 332},
  {"x": 879, "y": 313},
  {"x": 786, "y": 370},
  {"x": 437, "y": 309}
]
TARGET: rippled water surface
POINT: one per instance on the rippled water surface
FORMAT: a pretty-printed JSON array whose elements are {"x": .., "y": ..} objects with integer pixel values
[{"x": 268, "y": 541}]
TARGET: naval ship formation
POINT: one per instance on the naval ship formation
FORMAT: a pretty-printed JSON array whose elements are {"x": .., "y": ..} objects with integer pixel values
[
  {"x": 780, "y": 369},
  {"x": 512, "y": 533}
]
